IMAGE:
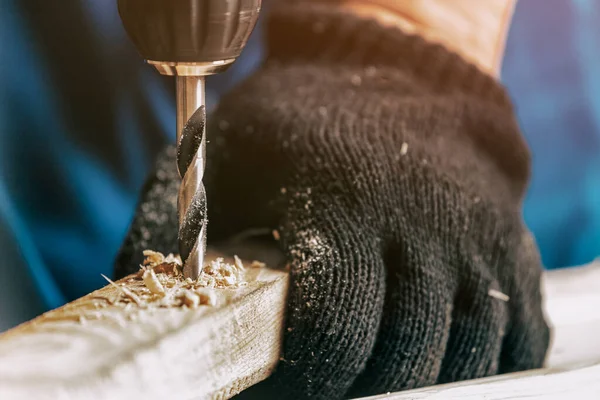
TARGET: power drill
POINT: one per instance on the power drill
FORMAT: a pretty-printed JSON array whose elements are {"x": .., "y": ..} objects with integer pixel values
[{"x": 190, "y": 39}]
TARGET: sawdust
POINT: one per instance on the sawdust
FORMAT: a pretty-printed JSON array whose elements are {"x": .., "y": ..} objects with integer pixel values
[
  {"x": 151, "y": 281},
  {"x": 258, "y": 264},
  {"x": 404, "y": 149},
  {"x": 498, "y": 295},
  {"x": 160, "y": 283}
]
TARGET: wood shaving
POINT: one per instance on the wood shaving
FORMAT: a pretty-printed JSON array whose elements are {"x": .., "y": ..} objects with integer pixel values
[
  {"x": 189, "y": 299},
  {"x": 152, "y": 282},
  {"x": 153, "y": 257},
  {"x": 238, "y": 263},
  {"x": 160, "y": 283},
  {"x": 125, "y": 291},
  {"x": 206, "y": 296},
  {"x": 498, "y": 295},
  {"x": 404, "y": 149}
]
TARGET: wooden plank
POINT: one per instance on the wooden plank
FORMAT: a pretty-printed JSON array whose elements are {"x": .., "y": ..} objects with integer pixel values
[
  {"x": 215, "y": 352},
  {"x": 175, "y": 353}
]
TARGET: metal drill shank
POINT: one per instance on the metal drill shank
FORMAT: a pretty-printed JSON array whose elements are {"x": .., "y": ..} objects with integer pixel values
[{"x": 191, "y": 155}]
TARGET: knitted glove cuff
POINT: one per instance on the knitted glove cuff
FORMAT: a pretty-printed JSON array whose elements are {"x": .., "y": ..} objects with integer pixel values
[{"x": 316, "y": 33}]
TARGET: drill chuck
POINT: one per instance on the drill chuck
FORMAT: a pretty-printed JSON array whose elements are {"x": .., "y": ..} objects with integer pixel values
[
  {"x": 190, "y": 39},
  {"x": 189, "y": 31}
]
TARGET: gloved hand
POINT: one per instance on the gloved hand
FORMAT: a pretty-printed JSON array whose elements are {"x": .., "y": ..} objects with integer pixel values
[{"x": 394, "y": 172}]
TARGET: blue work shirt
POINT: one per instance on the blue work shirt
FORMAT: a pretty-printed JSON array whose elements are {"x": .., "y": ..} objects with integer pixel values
[{"x": 82, "y": 118}]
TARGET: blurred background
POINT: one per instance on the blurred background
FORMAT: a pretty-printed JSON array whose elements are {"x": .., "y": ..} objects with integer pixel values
[{"x": 82, "y": 118}]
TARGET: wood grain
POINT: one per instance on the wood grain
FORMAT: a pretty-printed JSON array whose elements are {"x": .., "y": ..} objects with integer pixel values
[
  {"x": 174, "y": 353},
  {"x": 215, "y": 352}
]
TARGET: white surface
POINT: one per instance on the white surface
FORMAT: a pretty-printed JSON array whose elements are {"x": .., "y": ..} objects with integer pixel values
[{"x": 572, "y": 304}]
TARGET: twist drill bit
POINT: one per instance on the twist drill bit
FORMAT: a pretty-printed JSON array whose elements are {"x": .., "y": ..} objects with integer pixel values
[
  {"x": 191, "y": 154},
  {"x": 190, "y": 39}
]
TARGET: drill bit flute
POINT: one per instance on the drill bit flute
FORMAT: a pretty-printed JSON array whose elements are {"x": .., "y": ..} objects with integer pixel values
[
  {"x": 190, "y": 39},
  {"x": 191, "y": 157},
  {"x": 191, "y": 154}
]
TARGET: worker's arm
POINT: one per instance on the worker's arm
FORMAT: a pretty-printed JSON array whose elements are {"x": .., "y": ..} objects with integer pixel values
[
  {"x": 393, "y": 172},
  {"x": 474, "y": 29}
]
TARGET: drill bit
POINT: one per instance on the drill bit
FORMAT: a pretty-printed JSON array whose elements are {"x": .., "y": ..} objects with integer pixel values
[
  {"x": 191, "y": 161},
  {"x": 190, "y": 39}
]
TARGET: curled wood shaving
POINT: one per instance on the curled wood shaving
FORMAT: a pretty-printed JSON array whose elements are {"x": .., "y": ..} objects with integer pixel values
[
  {"x": 153, "y": 257},
  {"x": 152, "y": 282}
]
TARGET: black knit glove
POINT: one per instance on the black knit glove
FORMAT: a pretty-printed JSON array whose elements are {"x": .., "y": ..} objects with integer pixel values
[{"x": 396, "y": 187}]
